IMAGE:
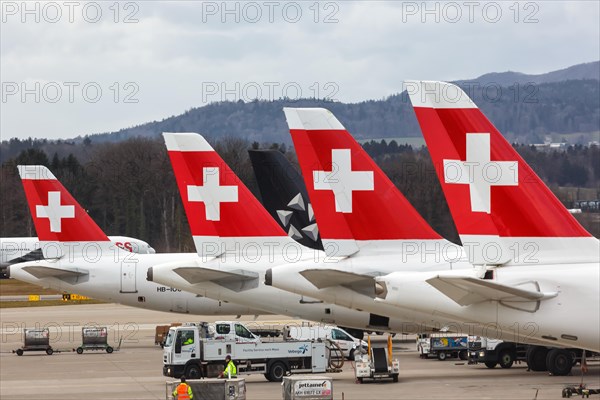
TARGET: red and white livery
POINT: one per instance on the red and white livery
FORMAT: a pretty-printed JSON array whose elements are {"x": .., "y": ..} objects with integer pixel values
[{"x": 537, "y": 270}]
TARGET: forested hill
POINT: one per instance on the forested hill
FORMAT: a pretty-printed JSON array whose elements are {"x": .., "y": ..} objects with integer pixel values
[
  {"x": 523, "y": 112},
  {"x": 589, "y": 70}
]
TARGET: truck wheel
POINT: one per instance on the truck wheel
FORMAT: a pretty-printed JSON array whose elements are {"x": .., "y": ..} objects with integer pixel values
[
  {"x": 277, "y": 371},
  {"x": 19, "y": 352},
  {"x": 574, "y": 357},
  {"x": 490, "y": 364},
  {"x": 536, "y": 358},
  {"x": 506, "y": 359},
  {"x": 193, "y": 372},
  {"x": 463, "y": 355},
  {"x": 442, "y": 356},
  {"x": 395, "y": 378},
  {"x": 109, "y": 349},
  {"x": 79, "y": 350},
  {"x": 49, "y": 351},
  {"x": 559, "y": 362}
]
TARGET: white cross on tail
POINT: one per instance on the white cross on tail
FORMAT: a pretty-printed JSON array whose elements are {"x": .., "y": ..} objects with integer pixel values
[
  {"x": 480, "y": 173},
  {"x": 55, "y": 212},
  {"x": 212, "y": 194},
  {"x": 342, "y": 180}
]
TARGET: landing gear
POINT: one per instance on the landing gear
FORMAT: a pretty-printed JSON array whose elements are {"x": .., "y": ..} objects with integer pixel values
[
  {"x": 536, "y": 358},
  {"x": 559, "y": 362}
]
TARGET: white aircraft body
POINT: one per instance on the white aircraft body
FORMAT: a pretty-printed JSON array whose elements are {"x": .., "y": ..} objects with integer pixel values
[
  {"x": 367, "y": 226},
  {"x": 79, "y": 258},
  {"x": 537, "y": 270},
  {"x": 17, "y": 249},
  {"x": 317, "y": 137},
  {"x": 238, "y": 241}
]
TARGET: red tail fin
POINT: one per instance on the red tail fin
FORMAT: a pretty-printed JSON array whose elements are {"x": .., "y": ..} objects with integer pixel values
[
  {"x": 217, "y": 203},
  {"x": 56, "y": 214},
  {"x": 352, "y": 198},
  {"x": 490, "y": 189}
]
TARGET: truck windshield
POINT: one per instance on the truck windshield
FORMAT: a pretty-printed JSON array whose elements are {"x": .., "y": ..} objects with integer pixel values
[
  {"x": 169, "y": 339},
  {"x": 339, "y": 335},
  {"x": 241, "y": 331}
]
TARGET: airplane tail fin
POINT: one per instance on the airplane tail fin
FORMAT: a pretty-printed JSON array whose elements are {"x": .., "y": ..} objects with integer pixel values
[
  {"x": 222, "y": 212},
  {"x": 285, "y": 197},
  {"x": 60, "y": 222},
  {"x": 502, "y": 209},
  {"x": 356, "y": 204}
]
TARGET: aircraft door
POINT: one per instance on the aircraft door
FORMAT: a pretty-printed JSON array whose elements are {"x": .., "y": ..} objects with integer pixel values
[{"x": 128, "y": 276}]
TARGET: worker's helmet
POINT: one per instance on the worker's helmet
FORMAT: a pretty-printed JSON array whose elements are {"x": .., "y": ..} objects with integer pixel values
[{"x": 227, "y": 357}]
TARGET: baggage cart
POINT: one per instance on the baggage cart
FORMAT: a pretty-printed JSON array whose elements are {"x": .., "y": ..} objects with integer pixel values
[
  {"x": 35, "y": 340},
  {"x": 95, "y": 338}
]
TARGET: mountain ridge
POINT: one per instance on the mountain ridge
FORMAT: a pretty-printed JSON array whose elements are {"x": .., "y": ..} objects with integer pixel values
[{"x": 526, "y": 108}]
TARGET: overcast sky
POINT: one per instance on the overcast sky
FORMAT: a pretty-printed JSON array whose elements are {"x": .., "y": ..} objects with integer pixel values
[{"x": 76, "y": 68}]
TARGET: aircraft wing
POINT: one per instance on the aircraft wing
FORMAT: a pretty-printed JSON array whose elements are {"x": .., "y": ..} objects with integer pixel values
[
  {"x": 469, "y": 290},
  {"x": 324, "y": 278},
  {"x": 236, "y": 280}
]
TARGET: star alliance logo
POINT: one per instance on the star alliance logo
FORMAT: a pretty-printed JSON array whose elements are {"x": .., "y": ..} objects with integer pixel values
[{"x": 297, "y": 204}]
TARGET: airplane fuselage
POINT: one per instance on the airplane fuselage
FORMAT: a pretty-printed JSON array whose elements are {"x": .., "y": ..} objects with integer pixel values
[
  {"x": 274, "y": 300},
  {"x": 124, "y": 282},
  {"x": 570, "y": 319},
  {"x": 12, "y": 248}
]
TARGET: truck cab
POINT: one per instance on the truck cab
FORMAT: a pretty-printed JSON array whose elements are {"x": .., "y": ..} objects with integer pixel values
[
  {"x": 227, "y": 330},
  {"x": 349, "y": 345}
]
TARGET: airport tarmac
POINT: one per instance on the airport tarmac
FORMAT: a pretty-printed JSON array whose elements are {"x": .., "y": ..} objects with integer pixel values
[{"x": 135, "y": 372}]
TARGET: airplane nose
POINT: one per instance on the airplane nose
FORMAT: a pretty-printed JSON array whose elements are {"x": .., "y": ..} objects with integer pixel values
[
  {"x": 149, "y": 275},
  {"x": 269, "y": 277}
]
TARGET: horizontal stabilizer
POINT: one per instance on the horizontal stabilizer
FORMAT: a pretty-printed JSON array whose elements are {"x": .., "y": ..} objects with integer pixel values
[
  {"x": 324, "y": 278},
  {"x": 469, "y": 290},
  {"x": 236, "y": 280},
  {"x": 67, "y": 274},
  {"x": 35, "y": 255}
]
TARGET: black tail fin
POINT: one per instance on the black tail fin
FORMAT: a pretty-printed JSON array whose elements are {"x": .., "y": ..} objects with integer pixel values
[{"x": 284, "y": 196}]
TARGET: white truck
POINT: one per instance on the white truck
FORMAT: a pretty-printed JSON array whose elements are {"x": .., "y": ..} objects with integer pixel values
[
  {"x": 346, "y": 342},
  {"x": 494, "y": 352},
  {"x": 443, "y": 346},
  {"x": 199, "y": 350}
]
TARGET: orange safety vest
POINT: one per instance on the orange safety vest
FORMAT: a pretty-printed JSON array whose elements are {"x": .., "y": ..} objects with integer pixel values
[{"x": 183, "y": 392}]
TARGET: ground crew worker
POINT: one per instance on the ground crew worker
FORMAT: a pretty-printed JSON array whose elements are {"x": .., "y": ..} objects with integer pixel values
[
  {"x": 183, "y": 391},
  {"x": 189, "y": 340},
  {"x": 230, "y": 369}
]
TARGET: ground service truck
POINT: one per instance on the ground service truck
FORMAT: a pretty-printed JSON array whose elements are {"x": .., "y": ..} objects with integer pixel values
[
  {"x": 443, "y": 346},
  {"x": 498, "y": 352},
  {"x": 199, "y": 350}
]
